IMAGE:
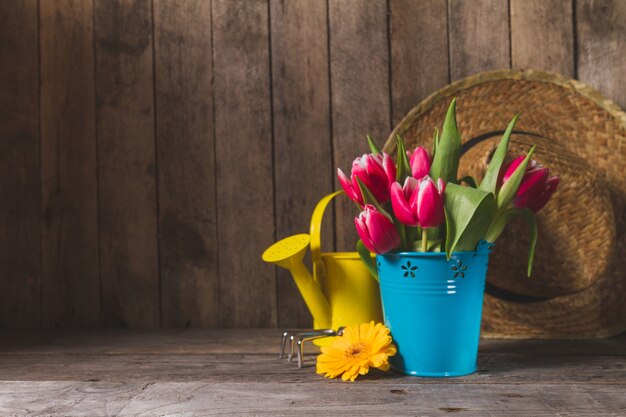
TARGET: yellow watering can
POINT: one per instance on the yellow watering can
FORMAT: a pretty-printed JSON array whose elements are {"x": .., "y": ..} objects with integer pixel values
[{"x": 341, "y": 290}]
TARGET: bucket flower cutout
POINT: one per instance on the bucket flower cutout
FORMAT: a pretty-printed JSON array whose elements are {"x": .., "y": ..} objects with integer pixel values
[
  {"x": 355, "y": 351},
  {"x": 419, "y": 203}
]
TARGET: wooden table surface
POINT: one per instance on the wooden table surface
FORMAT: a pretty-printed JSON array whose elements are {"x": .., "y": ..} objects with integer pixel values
[{"x": 237, "y": 372}]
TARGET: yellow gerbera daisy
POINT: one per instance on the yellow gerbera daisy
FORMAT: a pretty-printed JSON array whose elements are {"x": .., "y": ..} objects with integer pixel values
[{"x": 360, "y": 347}]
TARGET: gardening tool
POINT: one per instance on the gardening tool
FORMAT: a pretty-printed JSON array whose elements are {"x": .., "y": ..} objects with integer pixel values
[
  {"x": 341, "y": 290},
  {"x": 297, "y": 339}
]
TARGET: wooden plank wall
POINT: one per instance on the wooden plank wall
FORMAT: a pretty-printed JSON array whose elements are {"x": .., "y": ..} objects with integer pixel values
[{"x": 151, "y": 150}]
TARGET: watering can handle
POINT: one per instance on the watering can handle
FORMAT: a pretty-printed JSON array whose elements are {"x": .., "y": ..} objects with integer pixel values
[{"x": 316, "y": 229}]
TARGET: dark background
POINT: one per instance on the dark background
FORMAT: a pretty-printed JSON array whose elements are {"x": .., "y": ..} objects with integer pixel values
[{"x": 151, "y": 150}]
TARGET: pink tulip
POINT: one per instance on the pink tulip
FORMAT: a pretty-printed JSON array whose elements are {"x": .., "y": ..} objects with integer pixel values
[
  {"x": 376, "y": 231},
  {"x": 404, "y": 201},
  {"x": 430, "y": 202},
  {"x": 377, "y": 172},
  {"x": 536, "y": 188},
  {"x": 353, "y": 192},
  {"x": 419, "y": 161}
]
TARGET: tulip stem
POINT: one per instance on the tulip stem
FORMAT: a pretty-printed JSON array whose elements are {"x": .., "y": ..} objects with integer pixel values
[{"x": 424, "y": 240}]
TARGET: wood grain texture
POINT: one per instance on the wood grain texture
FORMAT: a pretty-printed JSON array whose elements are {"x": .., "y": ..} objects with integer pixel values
[
  {"x": 127, "y": 189},
  {"x": 243, "y": 134},
  {"x": 20, "y": 243},
  {"x": 359, "y": 67},
  {"x": 542, "y": 35},
  {"x": 250, "y": 368},
  {"x": 302, "y": 145},
  {"x": 226, "y": 372},
  {"x": 601, "y": 39},
  {"x": 419, "y": 52},
  {"x": 186, "y": 164},
  {"x": 69, "y": 186},
  {"x": 139, "y": 187},
  {"x": 479, "y": 36},
  {"x": 275, "y": 398},
  {"x": 193, "y": 341}
]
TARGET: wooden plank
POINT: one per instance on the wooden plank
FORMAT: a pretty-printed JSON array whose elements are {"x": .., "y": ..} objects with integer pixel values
[
  {"x": 243, "y": 135},
  {"x": 247, "y": 341},
  {"x": 479, "y": 36},
  {"x": 303, "y": 171},
  {"x": 251, "y": 356},
  {"x": 186, "y": 164},
  {"x": 601, "y": 40},
  {"x": 69, "y": 188},
  {"x": 275, "y": 398},
  {"x": 419, "y": 52},
  {"x": 20, "y": 245},
  {"x": 127, "y": 189},
  {"x": 359, "y": 71},
  {"x": 521, "y": 369},
  {"x": 112, "y": 341},
  {"x": 542, "y": 35}
]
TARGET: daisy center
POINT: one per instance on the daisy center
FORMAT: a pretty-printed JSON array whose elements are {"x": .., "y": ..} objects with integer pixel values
[{"x": 356, "y": 350}]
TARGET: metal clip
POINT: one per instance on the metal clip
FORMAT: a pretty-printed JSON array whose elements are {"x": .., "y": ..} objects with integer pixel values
[{"x": 298, "y": 338}]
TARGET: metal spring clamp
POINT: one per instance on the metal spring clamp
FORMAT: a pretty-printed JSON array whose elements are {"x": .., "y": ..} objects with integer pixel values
[{"x": 297, "y": 339}]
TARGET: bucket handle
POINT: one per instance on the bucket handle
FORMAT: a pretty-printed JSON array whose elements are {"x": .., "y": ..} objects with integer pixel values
[{"x": 315, "y": 232}]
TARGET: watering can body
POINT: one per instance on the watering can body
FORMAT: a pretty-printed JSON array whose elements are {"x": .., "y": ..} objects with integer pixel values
[
  {"x": 350, "y": 289},
  {"x": 341, "y": 291}
]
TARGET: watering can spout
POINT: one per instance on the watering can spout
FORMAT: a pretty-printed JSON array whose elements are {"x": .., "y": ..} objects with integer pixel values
[
  {"x": 341, "y": 290},
  {"x": 289, "y": 254}
]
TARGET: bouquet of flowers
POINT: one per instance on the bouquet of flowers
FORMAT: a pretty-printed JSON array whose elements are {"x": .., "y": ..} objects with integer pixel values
[{"x": 418, "y": 203}]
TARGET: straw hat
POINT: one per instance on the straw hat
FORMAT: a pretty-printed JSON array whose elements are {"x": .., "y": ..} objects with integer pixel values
[{"x": 578, "y": 286}]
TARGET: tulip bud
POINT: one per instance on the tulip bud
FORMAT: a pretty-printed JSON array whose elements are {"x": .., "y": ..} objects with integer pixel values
[
  {"x": 430, "y": 202},
  {"x": 376, "y": 172},
  {"x": 536, "y": 188},
  {"x": 420, "y": 161},
  {"x": 376, "y": 231},
  {"x": 404, "y": 201},
  {"x": 543, "y": 196}
]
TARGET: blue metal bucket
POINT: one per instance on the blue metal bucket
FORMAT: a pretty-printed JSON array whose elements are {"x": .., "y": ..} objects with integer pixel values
[{"x": 433, "y": 308}]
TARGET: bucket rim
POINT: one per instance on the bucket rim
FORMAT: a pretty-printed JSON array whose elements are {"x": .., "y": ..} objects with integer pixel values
[
  {"x": 482, "y": 248},
  {"x": 426, "y": 254},
  {"x": 341, "y": 255}
]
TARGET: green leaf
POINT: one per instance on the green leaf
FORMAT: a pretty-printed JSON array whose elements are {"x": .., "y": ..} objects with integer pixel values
[
  {"x": 435, "y": 141},
  {"x": 509, "y": 188},
  {"x": 530, "y": 218},
  {"x": 403, "y": 167},
  {"x": 446, "y": 160},
  {"x": 469, "y": 212},
  {"x": 373, "y": 147},
  {"x": 490, "y": 182},
  {"x": 498, "y": 225},
  {"x": 366, "y": 257},
  {"x": 401, "y": 229},
  {"x": 368, "y": 198},
  {"x": 469, "y": 180}
]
